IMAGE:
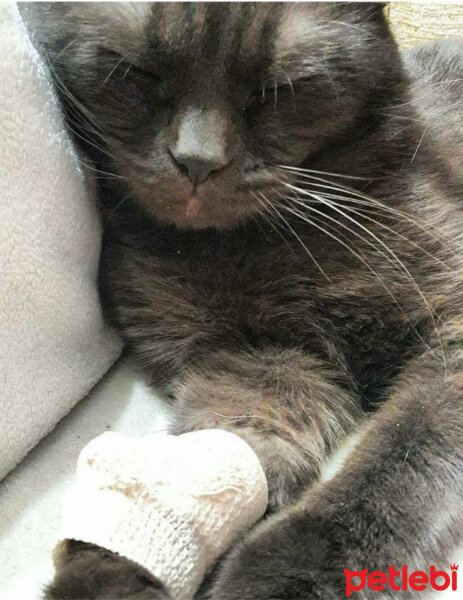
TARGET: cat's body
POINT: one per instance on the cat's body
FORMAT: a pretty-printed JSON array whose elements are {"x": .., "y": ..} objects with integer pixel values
[
  {"x": 284, "y": 330},
  {"x": 436, "y": 73}
]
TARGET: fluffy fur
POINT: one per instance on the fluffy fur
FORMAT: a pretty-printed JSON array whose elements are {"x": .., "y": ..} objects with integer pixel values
[{"x": 309, "y": 286}]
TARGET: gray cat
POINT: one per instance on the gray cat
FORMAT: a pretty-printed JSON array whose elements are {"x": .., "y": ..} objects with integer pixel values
[{"x": 283, "y": 227}]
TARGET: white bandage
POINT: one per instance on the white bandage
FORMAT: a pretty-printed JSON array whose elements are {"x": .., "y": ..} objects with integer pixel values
[{"x": 172, "y": 504}]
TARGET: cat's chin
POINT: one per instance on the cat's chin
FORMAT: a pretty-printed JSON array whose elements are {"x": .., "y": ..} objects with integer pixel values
[
  {"x": 214, "y": 204},
  {"x": 192, "y": 214},
  {"x": 202, "y": 221}
]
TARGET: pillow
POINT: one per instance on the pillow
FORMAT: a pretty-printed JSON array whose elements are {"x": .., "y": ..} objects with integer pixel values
[
  {"x": 416, "y": 22},
  {"x": 54, "y": 344}
]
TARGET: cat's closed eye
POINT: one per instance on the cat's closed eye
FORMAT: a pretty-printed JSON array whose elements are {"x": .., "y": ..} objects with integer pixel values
[
  {"x": 122, "y": 71},
  {"x": 268, "y": 92},
  {"x": 275, "y": 90}
]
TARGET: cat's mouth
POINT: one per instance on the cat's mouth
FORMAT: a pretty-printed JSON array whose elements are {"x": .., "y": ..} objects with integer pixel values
[
  {"x": 220, "y": 202},
  {"x": 201, "y": 209},
  {"x": 210, "y": 207},
  {"x": 195, "y": 210}
]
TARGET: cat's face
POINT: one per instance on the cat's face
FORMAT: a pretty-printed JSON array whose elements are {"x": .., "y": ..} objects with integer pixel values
[{"x": 199, "y": 104}]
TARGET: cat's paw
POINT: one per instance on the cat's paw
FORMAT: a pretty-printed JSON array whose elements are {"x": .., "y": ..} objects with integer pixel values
[
  {"x": 88, "y": 571},
  {"x": 284, "y": 558}
]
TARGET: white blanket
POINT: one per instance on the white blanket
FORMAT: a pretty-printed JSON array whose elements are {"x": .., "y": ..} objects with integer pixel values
[{"x": 54, "y": 345}]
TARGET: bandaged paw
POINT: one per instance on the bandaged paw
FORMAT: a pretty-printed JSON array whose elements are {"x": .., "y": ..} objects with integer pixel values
[{"x": 172, "y": 504}]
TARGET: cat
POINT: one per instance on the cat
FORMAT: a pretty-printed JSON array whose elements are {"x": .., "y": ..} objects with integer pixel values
[{"x": 282, "y": 253}]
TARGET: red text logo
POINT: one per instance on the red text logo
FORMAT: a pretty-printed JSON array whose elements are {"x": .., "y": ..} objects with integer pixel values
[{"x": 401, "y": 580}]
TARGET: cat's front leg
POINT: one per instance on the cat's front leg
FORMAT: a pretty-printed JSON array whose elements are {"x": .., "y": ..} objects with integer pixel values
[
  {"x": 398, "y": 501},
  {"x": 288, "y": 406}
]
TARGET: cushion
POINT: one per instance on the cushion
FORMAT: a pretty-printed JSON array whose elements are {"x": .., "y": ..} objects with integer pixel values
[{"x": 54, "y": 344}]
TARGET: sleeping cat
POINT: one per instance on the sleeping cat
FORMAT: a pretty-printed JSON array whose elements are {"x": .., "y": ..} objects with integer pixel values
[{"x": 282, "y": 253}]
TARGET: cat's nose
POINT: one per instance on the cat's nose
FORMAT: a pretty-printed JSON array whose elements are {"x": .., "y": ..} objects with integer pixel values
[
  {"x": 200, "y": 145},
  {"x": 197, "y": 168}
]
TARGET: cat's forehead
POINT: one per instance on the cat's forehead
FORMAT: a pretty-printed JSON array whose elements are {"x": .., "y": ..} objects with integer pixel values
[
  {"x": 204, "y": 31},
  {"x": 257, "y": 33}
]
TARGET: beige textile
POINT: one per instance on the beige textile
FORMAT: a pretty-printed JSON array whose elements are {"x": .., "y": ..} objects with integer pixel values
[{"x": 416, "y": 22}]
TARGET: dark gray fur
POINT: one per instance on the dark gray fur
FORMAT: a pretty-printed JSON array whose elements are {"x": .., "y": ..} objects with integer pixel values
[{"x": 290, "y": 334}]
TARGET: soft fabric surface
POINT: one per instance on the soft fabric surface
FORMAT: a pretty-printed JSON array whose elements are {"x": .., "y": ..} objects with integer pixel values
[
  {"x": 417, "y": 22},
  {"x": 54, "y": 345},
  {"x": 172, "y": 504},
  {"x": 31, "y": 497}
]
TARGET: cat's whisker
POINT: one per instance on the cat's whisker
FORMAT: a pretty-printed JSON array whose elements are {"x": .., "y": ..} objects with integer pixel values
[
  {"x": 392, "y": 254},
  {"x": 359, "y": 197},
  {"x": 65, "y": 49},
  {"x": 87, "y": 140},
  {"x": 337, "y": 207},
  {"x": 364, "y": 228},
  {"x": 301, "y": 215},
  {"x": 245, "y": 416},
  {"x": 291, "y": 87},
  {"x": 113, "y": 69},
  {"x": 90, "y": 141},
  {"x": 296, "y": 235},
  {"x": 65, "y": 90},
  {"x": 343, "y": 225},
  {"x": 267, "y": 216},
  {"x": 87, "y": 120},
  {"x": 301, "y": 170},
  {"x": 322, "y": 186},
  {"x": 255, "y": 219},
  {"x": 127, "y": 71},
  {"x": 419, "y": 144},
  {"x": 107, "y": 173},
  {"x": 397, "y": 106},
  {"x": 361, "y": 211},
  {"x": 275, "y": 219},
  {"x": 118, "y": 206},
  {"x": 275, "y": 93},
  {"x": 401, "y": 117}
]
